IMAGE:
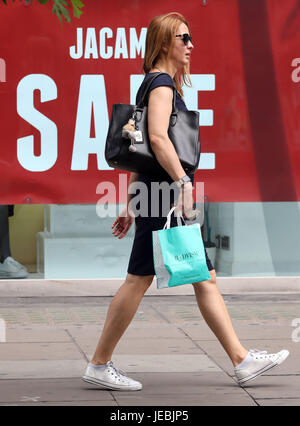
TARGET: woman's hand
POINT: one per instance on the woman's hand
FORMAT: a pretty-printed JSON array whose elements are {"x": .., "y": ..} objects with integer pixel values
[
  {"x": 123, "y": 223},
  {"x": 185, "y": 202}
]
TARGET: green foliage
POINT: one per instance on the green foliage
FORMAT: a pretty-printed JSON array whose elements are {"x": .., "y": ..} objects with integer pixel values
[{"x": 61, "y": 7}]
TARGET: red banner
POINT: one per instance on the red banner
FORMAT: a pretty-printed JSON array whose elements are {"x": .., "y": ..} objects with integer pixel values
[{"x": 58, "y": 85}]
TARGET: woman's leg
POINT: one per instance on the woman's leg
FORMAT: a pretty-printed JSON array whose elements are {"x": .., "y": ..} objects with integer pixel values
[
  {"x": 120, "y": 313},
  {"x": 214, "y": 311}
]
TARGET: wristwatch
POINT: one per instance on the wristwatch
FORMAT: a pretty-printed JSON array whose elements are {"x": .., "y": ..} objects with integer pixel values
[{"x": 182, "y": 181}]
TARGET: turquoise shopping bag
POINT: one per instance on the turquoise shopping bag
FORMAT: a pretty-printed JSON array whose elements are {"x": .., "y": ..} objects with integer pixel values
[{"x": 178, "y": 254}]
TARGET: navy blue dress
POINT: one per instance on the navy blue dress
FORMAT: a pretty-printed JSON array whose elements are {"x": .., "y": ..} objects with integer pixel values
[{"x": 141, "y": 258}]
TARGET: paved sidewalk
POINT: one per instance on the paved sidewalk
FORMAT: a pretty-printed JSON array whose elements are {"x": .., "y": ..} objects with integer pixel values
[{"x": 168, "y": 347}]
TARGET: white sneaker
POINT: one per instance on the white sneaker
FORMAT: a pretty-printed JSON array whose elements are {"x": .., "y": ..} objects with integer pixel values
[
  {"x": 259, "y": 363},
  {"x": 10, "y": 268},
  {"x": 110, "y": 377}
]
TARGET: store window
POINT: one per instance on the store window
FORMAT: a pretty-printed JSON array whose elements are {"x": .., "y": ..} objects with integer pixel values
[{"x": 72, "y": 242}]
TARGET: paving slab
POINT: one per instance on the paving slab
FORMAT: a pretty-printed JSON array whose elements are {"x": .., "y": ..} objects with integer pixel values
[
  {"x": 180, "y": 313},
  {"x": 128, "y": 363},
  {"x": 168, "y": 347},
  {"x": 145, "y": 346},
  {"x": 134, "y": 331},
  {"x": 247, "y": 331},
  {"x": 54, "y": 390},
  {"x": 167, "y": 363},
  {"x": 186, "y": 389},
  {"x": 37, "y": 369},
  {"x": 19, "y": 334},
  {"x": 182, "y": 383},
  {"x": 64, "y": 404},
  {"x": 279, "y": 402},
  {"x": 39, "y": 351},
  {"x": 264, "y": 312},
  {"x": 69, "y": 315},
  {"x": 59, "y": 314},
  {"x": 186, "y": 400},
  {"x": 275, "y": 387},
  {"x": 254, "y": 311}
]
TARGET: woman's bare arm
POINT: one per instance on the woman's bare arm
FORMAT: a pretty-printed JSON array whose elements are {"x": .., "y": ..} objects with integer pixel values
[{"x": 159, "y": 112}]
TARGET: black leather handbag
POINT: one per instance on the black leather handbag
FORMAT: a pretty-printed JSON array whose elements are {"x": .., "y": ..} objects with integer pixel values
[{"x": 137, "y": 156}]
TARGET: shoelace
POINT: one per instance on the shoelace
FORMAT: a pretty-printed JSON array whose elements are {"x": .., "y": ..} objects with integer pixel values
[
  {"x": 116, "y": 370},
  {"x": 257, "y": 351}
]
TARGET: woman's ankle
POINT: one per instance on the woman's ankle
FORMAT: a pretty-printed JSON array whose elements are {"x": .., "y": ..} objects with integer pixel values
[
  {"x": 97, "y": 361},
  {"x": 238, "y": 358}
]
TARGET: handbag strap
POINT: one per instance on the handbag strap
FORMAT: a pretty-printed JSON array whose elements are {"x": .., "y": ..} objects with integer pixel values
[
  {"x": 178, "y": 216},
  {"x": 146, "y": 89}
]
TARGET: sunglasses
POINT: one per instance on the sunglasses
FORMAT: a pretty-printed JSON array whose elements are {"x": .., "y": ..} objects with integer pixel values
[{"x": 185, "y": 38}]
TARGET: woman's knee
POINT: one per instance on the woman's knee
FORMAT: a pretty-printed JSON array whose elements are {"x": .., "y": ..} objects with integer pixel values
[
  {"x": 141, "y": 282},
  {"x": 212, "y": 283}
]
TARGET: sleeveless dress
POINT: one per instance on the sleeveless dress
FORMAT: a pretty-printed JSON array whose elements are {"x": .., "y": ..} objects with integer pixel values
[{"x": 141, "y": 258}]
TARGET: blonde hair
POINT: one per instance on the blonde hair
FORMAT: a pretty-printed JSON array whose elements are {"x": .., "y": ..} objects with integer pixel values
[{"x": 161, "y": 30}]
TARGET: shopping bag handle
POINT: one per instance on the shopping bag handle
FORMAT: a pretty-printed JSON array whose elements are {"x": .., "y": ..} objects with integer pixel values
[{"x": 179, "y": 218}]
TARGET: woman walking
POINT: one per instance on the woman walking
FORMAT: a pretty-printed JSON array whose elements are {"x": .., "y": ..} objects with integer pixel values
[{"x": 168, "y": 51}]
